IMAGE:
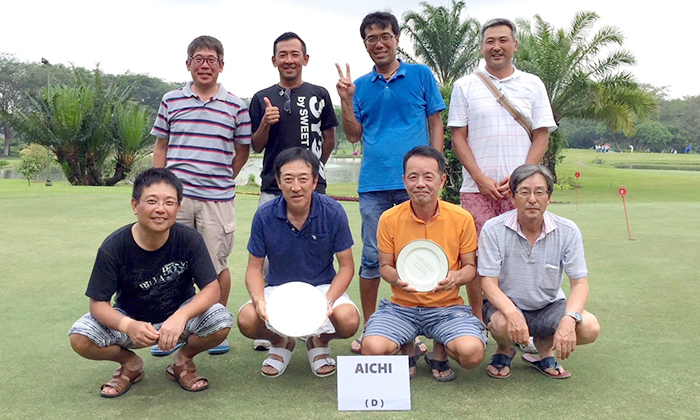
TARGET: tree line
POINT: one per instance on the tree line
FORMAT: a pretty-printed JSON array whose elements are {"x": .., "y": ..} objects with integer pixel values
[{"x": 585, "y": 69}]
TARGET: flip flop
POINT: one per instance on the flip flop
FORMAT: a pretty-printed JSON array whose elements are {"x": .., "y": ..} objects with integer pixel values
[
  {"x": 547, "y": 363},
  {"x": 186, "y": 376},
  {"x": 440, "y": 366},
  {"x": 121, "y": 381},
  {"x": 353, "y": 349},
  {"x": 501, "y": 361}
]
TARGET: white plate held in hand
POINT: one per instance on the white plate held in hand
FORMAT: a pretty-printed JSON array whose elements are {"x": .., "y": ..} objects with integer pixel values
[{"x": 422, "y": 264}]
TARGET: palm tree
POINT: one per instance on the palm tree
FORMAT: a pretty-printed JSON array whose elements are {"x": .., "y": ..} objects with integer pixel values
[
  {"x": 450, "y": 47},
  {"x": 84, "y": 125},
  {"x": 584, "y": 76},
  {"x": 443, "y": 41}
]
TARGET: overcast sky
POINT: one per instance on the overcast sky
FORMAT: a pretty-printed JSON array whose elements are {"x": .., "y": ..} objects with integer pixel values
[{"x": 151, "y": 36}]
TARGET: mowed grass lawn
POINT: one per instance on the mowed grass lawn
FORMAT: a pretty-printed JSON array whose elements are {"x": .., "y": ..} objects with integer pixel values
[{"x": 645, "y": 292}]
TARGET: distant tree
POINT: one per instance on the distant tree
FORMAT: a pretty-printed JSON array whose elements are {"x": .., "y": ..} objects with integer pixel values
[
  {"x": 449, "y": 45},
  {"x": 584, "y": 76},
  {"x": 84, "y": 125},
  {"x": 651, "y": 136},
  {"x": 34, "y": 160}
]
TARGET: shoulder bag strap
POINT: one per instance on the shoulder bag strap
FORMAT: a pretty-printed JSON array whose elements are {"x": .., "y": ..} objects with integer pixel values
[{"x": 501, "y": 98}]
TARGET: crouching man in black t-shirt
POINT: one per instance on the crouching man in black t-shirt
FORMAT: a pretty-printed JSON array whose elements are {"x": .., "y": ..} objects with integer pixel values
[{"x": 152, "y": 267}]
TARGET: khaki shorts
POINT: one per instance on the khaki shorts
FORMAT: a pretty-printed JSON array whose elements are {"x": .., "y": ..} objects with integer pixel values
[{"x": 216, "y": 221}]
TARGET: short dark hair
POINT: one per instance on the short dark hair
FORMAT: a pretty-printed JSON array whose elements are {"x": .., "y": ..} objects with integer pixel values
[
  {"x": 296, "y": 153},
  {"x": 426, "y": 151},
  {"x": 208, "y": 42},
  {"x": 156, "y": 176},
  {"x": 523, "y": 172},
  {"x": 286, "y": 37},
  {"x": 380, "y": 20},
  {"x": 500, "y": 22}
]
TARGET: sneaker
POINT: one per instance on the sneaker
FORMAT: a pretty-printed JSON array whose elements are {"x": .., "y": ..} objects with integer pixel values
[
  {"x": 530, "y": 348},
  {"x": 222, "y": 348},
  {"x": 157, "y": 352},
  {"x": 261, "y": 345}
]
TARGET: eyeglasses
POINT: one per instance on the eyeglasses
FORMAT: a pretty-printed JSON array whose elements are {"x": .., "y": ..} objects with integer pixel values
[
  {"x": 288, "y": 102},
  {"x": 199, "y": 60},
  {"x": 527, "y": 193},
  {"x": 155, "y": 203},
  {"x": 372, "y": 40}
]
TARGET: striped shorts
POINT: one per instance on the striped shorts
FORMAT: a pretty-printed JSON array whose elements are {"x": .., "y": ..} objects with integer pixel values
[
  {"x": 214, "y": 319},
  {"x": 401, "y": 324}
]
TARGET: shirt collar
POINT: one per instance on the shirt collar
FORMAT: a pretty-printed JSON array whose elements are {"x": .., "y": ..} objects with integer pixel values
[
  {"x": 280, "y": 205},
  {"x": 511, "y": 222},
  {"x": 419, "y": 220},
  {"x": 515, "y": 75},
  {"x": 187, "y": 90},
  {"x": 401, "y": 72}
]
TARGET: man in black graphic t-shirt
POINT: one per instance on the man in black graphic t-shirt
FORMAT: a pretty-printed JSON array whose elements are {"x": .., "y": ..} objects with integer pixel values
[
  {"x": 291, "y": 113},
  {"x": 152, "y": 266}
]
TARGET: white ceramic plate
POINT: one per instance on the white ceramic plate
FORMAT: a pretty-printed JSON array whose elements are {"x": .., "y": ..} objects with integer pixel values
[
  {"x": 296, "y": 309},
  {"x": 422, "y": 264}
]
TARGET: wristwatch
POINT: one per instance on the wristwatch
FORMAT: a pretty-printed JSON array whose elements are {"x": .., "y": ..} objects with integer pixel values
[{"x": 575, "y": 315}]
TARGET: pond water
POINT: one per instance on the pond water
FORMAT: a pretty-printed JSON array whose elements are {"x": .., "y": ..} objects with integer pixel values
[
  {"x": 662, "y": 167},
  {"x": 338, "y": 170}
]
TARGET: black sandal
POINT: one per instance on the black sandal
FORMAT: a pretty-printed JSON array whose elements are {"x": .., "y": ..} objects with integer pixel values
[{"x": 440, "y": 366}]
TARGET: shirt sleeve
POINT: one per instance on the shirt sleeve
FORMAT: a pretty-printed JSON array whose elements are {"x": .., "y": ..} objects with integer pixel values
[
  {"x": 242, "y": 133},
  {"x": 328, "y": 117},
  {"x": 490, "y": 258},
  {"x": 573, "y": 257},
  {"x": 542, "y": 110},
  {"x": 343, "y": 237},
  {"x": 161, "y": 126},
  {"x": 105, "y": 273},
  {"x": 256, "y": 113},
  {"x": 433, "y": 96},
  {"x": 202, "y": 268},
  {"x": 256, "y": 242},
  {"x": 457, "y": 116},
  {"x": 467, "y": 240},
  {"x": 385, "y": 235}
]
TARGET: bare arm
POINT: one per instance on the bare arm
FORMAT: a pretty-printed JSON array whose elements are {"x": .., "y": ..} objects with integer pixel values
[
  {"x": 160, "y": 152},
  {"x": 346, "y": 90},
  {"x": 341, "y": 281},
  {"x": 172, "y": 328},
  {"x": 255, "y": 283},
  {"x": 241, "y": 157},
  {"x": 141, "y": 333},
  {"x": 565, "y": 336},
  {"x": 487, "y": 186},
  {"x": 328, "y": 144},
  {"x": 457, "y": 278},
  {"x": 387, "y": 268},
  {"x": 540, "y": 142},
  {"x": 436, "y": 131},
  {"x": 517, "y": 327}
]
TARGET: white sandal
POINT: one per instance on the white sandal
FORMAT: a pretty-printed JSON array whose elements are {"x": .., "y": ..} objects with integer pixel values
[
  {"x": 281, "y": 366},
  {"x": 318, "y": 364}
]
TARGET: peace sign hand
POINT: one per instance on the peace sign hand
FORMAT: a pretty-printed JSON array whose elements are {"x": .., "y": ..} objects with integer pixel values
[{"x": 345, "y": 86}]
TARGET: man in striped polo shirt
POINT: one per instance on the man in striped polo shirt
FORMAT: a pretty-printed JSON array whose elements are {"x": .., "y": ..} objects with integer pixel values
[{"x": 203, "y": 136}]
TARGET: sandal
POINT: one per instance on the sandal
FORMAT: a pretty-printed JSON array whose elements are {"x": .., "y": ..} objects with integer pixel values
[
  {"x": 314, "y": 352},
  {"x": 501, "y": 361},
  {"x": 441, "y": 366},
  {"x": 358, "y": 349},
  {"x": 547, "y": 363},
  {"x": 121, "y": 381},
  {"x": 186, "y": 376},
  {"x": 283, "y": 353}
]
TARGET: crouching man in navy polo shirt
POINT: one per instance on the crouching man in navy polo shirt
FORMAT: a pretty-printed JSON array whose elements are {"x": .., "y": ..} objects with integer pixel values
[{"x": 299, "y": 232}]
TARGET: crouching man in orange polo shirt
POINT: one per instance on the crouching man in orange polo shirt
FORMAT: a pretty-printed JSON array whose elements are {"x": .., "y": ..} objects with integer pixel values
[{"x": 440, "y": 313}]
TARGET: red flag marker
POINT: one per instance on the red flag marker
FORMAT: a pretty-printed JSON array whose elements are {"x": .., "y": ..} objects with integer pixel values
[
  {"x": 622, "y": 191},
  {"x": 577, "y": 175}
]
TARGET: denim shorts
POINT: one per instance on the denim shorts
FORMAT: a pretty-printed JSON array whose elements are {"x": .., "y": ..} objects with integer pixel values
[
  {"x": 542, "y": 323},
  {"x": 401, "y": 324},
  {"x": 372, "y": 205},
  {"x": 214, "y": 319}
]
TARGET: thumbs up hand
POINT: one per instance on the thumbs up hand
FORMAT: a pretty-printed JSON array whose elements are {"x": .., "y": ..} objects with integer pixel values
[{"x": 272, "y": 113}]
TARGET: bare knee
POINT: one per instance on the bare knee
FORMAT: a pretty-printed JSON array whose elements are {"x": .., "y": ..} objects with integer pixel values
[
  {"x": 346, "y": 320},
  {"x": 588, "y": 331},
  {"x": 376, "y": 345},
  {"x": 248, "y": 321},
  {"x": 81, "y": 344},
  {"x": 467, "y": 351}
]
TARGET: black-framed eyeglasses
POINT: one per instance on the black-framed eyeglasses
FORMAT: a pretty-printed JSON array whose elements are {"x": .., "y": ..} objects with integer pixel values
[
  {"x": 288, "y": 102},
  {"x": 199, "y": 60},
  {"x": 372, "y": 40}
]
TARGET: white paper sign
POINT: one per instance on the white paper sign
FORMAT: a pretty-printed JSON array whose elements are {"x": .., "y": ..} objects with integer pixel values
[{"x": 373, "y": 383}]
